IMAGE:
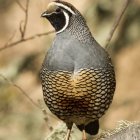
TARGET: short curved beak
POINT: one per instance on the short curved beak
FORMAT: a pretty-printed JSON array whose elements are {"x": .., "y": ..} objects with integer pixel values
[{"x": 44, "y": 14}]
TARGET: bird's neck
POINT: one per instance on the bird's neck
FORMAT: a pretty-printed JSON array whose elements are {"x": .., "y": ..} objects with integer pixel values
[{"x": 79, "y": 29}]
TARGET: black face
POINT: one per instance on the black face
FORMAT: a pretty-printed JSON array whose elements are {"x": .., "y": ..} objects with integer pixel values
[{"x": 57, "y": 19}]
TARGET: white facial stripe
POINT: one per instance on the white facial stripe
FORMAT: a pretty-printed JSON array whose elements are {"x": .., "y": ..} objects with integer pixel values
[
  {"x": 66, "y": 7},
  {"x": 48, "y": 14},
  {"x": 67, "y": 22}
]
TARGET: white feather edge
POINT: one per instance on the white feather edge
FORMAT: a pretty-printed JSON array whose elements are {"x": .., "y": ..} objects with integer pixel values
[
  {"x": 65, "y": 7},
  {"x": 67, "y": 22}
]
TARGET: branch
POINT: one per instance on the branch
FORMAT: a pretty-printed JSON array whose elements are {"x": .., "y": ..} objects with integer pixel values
[
  {"x": 25, "y": 10},
  {"x": 10, "y": 39},
  {"x": 26, "y": 19},
  {"x": 20, "y": 5},
  {"x": 21, "y": 90},
  {"x": 6, "y": 46},
  {"x": 40, "y": 106},
  {"x": 116, "y": 22},
  {"x": 23, "y": 29}
]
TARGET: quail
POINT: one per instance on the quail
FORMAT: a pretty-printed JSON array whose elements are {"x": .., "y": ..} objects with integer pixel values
[{"x": 77, "y": 75}]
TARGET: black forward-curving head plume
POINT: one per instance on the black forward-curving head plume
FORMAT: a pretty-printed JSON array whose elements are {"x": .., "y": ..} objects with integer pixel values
[{"x": 59, "y": 14}]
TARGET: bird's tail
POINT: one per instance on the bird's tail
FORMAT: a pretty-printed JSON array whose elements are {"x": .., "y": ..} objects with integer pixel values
[{"x": 91, "y": 128}]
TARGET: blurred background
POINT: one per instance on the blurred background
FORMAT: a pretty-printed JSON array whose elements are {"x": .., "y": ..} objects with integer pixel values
[{"x": 22, "y": 120}]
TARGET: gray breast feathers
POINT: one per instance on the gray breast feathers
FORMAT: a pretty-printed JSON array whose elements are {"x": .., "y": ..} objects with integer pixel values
[{"x": 70, "y": 54}]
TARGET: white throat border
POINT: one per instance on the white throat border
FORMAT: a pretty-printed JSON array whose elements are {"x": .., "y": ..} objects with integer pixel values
[{"x": 67, "y": 18}]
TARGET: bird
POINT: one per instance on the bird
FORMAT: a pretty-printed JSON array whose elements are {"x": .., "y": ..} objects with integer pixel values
[{"x": 77, "y": 74}]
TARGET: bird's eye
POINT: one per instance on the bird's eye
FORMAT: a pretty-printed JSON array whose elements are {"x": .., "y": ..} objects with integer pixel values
[{"x": 58, "y": 10}]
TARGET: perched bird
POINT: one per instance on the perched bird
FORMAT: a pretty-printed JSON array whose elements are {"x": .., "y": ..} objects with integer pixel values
[{"x": 77, "y": 75}]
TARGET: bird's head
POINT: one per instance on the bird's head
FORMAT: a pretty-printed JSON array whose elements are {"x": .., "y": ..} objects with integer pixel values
[{"x": 59, "y": 14}]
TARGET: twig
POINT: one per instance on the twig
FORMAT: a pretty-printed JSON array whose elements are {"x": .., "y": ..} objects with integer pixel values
[
  {"x": 26, "y": 18},
  {"x": 21, "y": 90},
  {"x": 11, "y": 38},
  {"x": 21, "y": 29},
  {"x": 116, "y": 23},
  {"x": 20, "y": 5},
  {"x": 29, "y": 98},
  {"x": 6, "y": 46},
  {"x": 25, "y": 10}
]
